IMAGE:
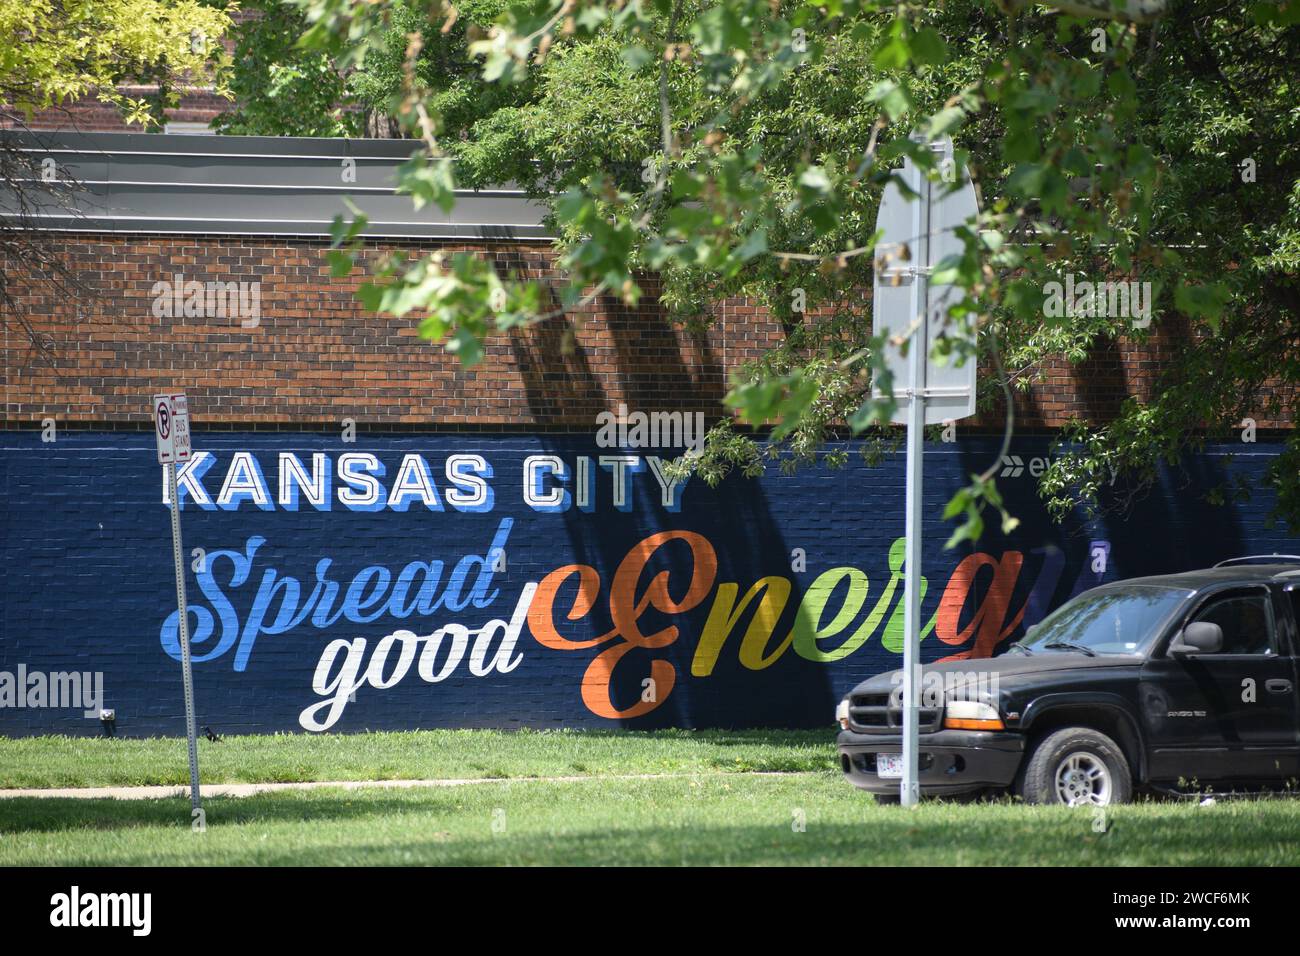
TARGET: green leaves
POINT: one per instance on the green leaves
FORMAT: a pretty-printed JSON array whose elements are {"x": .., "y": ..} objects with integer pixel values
[
  {"x": 892, "y": 97},
  {"x": 943, "y": 123},
  {"x": 520, "y": 32},
  {"x": 345, "y": 241},
  {"x": 427, "y": 180},
  {"x": 464, "y": 298},
  {"x": 1203, "y": 301},
  {"x": 602, "y": 257},
  {"x": 280, "y": 88},
  {"x": 818, "y": 197},
  {"x": 780, "y": 401},
  {"x": 720, "y": 29},
  {"x": 1277, "y": 14},
  {"x": 893, "y": 52},
  {"x": 928, "y": 48},
  {"x": 969, "y": 502},
  {"x": 902, "y": 46},
  {"x": 963, "y": 502},
  {"x": 54, "y": 53},
  {"x": 872, "y": 412},
  {"x": 636, "y": 56}
]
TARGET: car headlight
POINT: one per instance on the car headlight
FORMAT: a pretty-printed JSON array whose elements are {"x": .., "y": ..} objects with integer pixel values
[
  {"x": 971, "y": 715},
  {"x": 842, "y": 714}
]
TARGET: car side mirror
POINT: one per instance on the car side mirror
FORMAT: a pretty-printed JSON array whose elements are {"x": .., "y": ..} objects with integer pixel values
[{"x": 1200, "y": 637}]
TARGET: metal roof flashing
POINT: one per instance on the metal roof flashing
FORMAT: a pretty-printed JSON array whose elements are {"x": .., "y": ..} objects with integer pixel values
[{"x": 256, "y": 185}]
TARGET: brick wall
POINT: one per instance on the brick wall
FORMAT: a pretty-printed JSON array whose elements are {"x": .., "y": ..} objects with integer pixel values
[
  {"x": 316, "y": 357},
  {"x": 91, "y": 116}
]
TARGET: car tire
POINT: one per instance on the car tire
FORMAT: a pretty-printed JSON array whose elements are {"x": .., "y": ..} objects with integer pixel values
[{"x": 1077, "y": 766}]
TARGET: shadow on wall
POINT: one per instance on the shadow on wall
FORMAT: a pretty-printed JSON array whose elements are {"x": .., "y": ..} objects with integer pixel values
[
  {"x": 1100, "y": 382},
  {"x": 1171, "y": 527},
  {"x": 656, "y": 367},
  {"x": 1043, "y": 563},
  {"x": 648, "y": 350},
  {"x": 732, "y": 534},
  {"x": 560, "y": 386}
]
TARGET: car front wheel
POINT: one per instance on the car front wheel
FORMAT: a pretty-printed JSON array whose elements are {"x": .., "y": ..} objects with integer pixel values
[{"x": 1077, "y": 767}]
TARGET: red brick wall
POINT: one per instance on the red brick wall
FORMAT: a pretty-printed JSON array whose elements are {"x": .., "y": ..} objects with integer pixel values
[
  {"x": 89, "y": 115},
  {"x": 315, "y": 357}
]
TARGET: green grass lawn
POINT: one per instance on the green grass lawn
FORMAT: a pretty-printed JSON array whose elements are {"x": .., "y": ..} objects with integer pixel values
[
  {"x": 711, "y": 807},
  {"x": 426, "y": 754},
  {"x": 714, "y": 818}
]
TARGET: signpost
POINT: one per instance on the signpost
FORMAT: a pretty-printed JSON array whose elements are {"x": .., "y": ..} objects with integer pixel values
[
  {"x": 910, "y": 311},
  {"x": 171, "y": 419}
]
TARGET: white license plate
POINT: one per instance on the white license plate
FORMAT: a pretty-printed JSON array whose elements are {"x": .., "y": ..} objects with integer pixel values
[{"x": 889, "y": 765}]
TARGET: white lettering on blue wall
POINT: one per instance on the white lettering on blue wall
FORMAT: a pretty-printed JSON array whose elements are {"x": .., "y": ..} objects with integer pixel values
[{"x": 358, "y": 481}]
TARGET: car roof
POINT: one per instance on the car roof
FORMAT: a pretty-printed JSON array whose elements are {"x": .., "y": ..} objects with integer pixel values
[{"x": 1234, "y": 574}]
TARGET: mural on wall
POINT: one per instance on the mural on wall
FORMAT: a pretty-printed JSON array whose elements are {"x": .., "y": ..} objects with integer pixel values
[{"x": 542, "y": 580}]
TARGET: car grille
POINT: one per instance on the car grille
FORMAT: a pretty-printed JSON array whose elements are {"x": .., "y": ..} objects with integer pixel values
[{"x": 883, "y": 714}]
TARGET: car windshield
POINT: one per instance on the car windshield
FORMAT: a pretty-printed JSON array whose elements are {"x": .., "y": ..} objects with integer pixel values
[{"x": 1113, "y": 620}]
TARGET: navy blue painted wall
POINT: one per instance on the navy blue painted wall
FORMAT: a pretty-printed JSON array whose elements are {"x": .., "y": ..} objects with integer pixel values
[{"x": 87, "y": 576}]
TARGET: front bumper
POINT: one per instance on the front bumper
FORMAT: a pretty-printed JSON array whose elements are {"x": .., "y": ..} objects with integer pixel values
[{"x": 950, "y": 761}]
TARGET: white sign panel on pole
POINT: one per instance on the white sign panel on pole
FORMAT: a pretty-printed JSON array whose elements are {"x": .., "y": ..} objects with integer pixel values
[
  {"x": 171, "y": 419},
  {"x": 949, "y": 388}
]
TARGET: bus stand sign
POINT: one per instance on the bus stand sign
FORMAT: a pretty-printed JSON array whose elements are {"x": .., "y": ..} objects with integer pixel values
[{"x": 171, "y": 419}]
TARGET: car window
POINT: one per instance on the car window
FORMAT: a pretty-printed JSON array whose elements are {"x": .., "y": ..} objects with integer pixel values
[
  {"x": 1116, "y": 619},
  {"x": 1293, "y": 596},
  {"x": 1244, "y": 620}
]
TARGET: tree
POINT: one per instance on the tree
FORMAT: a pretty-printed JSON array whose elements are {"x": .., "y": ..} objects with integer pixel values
[
  {"x": 282, "y": 88},
  {"x": 742, "y": 146},
  {"x": 279, "y": 89},
  {"x": 55, "y": 52}
]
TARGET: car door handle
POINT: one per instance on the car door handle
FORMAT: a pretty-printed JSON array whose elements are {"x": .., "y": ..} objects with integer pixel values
[{"x": 1277, "y": 686}]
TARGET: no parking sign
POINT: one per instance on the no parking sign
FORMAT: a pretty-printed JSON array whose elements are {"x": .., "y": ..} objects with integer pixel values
[{"x": 171, "y": 419}]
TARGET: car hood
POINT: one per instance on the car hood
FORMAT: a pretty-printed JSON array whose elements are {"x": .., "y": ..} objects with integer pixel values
[{"x": 1009, "y": 667}]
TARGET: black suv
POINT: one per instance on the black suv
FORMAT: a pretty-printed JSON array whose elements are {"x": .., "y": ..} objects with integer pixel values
[{"x": 1178, "y": 683}]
